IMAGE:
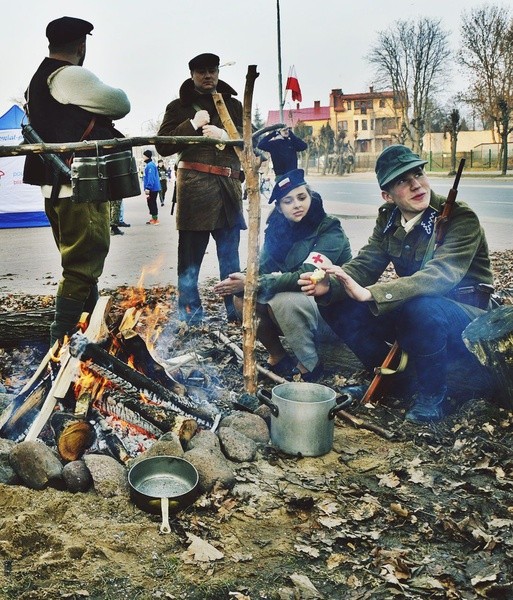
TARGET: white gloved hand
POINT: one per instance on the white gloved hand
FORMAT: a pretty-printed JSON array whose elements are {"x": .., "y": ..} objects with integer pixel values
[
  {"x": 200, "y": 118},
  {"x": 215, "y": 132}
]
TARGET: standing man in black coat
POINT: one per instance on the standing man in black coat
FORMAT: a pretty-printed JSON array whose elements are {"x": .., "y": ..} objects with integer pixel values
[{"x": 208, "y": 182}]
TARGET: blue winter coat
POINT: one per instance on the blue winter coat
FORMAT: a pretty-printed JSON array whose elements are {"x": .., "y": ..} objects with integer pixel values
[{"x": 151, "y": 180}]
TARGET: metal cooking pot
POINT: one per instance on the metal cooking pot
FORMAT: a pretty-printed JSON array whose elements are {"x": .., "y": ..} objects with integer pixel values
[
  {"x": 302, "y": 417},
  {"x": 163, "y": 484}
]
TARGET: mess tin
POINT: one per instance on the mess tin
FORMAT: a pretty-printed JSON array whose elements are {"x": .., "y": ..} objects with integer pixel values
[
  {"x": 163, "y": 484},
  {"x": 102, "y": 178}
]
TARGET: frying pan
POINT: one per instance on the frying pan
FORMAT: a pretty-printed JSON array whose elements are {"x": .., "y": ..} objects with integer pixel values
[{"x": 163, "y": 484}]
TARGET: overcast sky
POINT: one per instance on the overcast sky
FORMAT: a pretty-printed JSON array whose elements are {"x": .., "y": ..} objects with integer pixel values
[{"x": 144, "y": 47}]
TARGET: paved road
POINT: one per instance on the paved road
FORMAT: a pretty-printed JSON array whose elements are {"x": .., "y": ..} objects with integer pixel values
[{"x": 29, "y": 261}]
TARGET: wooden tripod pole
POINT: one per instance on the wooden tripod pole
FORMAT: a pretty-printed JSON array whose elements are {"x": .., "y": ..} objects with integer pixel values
[{"x": 250, "y": 166}]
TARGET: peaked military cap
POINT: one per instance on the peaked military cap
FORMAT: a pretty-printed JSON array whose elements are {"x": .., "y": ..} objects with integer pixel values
[
  {"x": 394, "y": 161},
  {"x": 286, "y": 183}
]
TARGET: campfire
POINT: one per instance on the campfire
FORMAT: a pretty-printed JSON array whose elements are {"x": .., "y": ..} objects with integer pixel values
[{"x": 103, "y": 391}]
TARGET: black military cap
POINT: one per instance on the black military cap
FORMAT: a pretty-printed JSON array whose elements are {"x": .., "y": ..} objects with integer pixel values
[
  {"x": 203, "y": 61},
  {"x": 67, "y": 29}
]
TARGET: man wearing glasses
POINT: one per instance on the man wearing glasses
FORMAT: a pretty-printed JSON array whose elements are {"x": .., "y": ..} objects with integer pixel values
[{"x": 435, "y": 295}]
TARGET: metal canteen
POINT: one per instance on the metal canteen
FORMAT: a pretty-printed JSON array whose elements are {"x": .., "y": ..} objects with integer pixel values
[
  {"x": 302, "y": 417},
  {"x": 163, "y": 484}
]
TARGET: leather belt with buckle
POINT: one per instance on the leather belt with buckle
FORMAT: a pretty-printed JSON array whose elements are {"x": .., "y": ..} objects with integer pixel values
[{"x": 213, "y": 169}]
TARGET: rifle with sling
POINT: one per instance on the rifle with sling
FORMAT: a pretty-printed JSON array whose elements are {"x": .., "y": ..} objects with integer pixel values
[{"x": 436, "y": 240}]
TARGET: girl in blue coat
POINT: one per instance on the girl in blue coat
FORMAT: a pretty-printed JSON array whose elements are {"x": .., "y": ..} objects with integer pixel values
[{"x": 300, "y": 237}]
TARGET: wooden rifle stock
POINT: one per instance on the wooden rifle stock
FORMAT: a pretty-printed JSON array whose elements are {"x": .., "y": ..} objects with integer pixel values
[
  {"x": 440, "y": 229},
  {"x": 377, "y": 380},
  {"x": 443, "y": 219}
]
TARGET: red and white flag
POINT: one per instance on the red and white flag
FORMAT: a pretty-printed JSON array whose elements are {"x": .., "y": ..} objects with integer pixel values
[{"x": 293, "y": 85}]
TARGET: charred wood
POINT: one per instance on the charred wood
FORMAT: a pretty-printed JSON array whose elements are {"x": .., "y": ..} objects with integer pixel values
[{"x": 81, "y": 348}]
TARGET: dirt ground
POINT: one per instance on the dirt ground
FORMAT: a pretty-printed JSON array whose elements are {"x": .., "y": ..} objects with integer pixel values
[{"x": 426, "y": 513}]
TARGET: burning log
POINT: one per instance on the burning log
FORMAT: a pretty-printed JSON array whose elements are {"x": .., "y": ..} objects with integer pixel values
[{"x": 121, "y": 374}]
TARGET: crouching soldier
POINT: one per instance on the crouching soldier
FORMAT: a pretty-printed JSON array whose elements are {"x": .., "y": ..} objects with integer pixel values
[{"x": 437, "y": 293}]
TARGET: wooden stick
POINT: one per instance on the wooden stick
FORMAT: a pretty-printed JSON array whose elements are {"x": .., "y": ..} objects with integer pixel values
[
  {"x": 240, "y": 354},
  {"x": 361, "y": 424},
  {"x": 250, "y": 167},
  {"x": 119, "y": 143},
  {"x": 69, "y": 368}
]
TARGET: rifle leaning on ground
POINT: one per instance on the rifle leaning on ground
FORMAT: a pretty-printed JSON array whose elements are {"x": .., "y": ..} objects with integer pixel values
[{"x": 392, "y": 357}]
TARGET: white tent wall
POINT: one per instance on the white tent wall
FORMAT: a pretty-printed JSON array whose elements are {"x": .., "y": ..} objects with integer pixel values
[{"x": 21, "y": 205}]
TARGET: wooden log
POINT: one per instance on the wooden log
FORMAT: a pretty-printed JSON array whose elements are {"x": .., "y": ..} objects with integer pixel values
[
  {"x": 250, "y": 166},
  {"x": 31, "y": 325},
  {"x": 490, "y": 339},
  {"x": 69, "y": 367},
  {"x": 106, "y": 364},
  {"x": 117, "y": 143}
]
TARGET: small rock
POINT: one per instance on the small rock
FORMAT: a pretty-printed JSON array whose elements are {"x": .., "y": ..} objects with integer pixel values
[
  {"x": 77, "y": 476},
  {"x": 204, "y": 438},
  {"x": 212, "y": 468},
  {"x": 7, "y": 474},
  {"x": 36, "y": 464},
  {"x": 237, "y": 446},
  {"x": 250, "y": 425},
  {"x": 168, "y": 445},
  {"x": 109, "y": 476}
]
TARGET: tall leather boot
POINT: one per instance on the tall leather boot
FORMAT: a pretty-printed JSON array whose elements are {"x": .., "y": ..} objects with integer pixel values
[
  {"x": 429, "y": 402},
  {"x": 67, "y": 315}
]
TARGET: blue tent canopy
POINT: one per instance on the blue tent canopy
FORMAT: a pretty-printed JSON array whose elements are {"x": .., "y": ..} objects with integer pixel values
[{"x": 21, "y": 205}]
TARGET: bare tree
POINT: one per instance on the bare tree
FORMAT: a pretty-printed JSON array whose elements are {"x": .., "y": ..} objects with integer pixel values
[
  {"x": 487, "y": 54},
  {"x": 411, "y": 58},
  {"x": 453, "y": 127}
]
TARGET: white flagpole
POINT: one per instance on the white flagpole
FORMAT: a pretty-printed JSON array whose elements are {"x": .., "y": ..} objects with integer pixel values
[{"x": 280, "y": 88}]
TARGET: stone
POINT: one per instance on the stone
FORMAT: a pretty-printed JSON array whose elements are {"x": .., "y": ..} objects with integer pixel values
[
  {"x": 77, "y": 476},
  {"x": 249, "y": 424},
  {"x": 109, "y": 476},
  {"x": 36, "y": 464},
  {"x": 204, "y": 438},
  {"x": 212, "y": 467},
  {"x": 7, "y": 473},
  {"x": 237, "y": 446}
]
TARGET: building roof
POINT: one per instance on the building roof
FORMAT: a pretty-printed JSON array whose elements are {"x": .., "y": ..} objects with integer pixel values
[
  {"x": 363, "y": 96},
  {"x": 291, "y": 116}
]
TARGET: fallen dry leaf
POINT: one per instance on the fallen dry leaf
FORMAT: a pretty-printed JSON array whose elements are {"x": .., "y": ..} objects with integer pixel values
[{"x": 200, "y": 550}]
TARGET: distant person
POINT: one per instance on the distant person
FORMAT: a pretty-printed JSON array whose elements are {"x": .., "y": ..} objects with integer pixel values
[
  {"x": 163, "y": 175},
  {"x": 299, "y": 238},
  {"x": 151, "y": 185},
  {"x": 437, "y": 293},
  {"x": 115, "y": 217},
  {"x": 283, "y": 146},
  {"x": 208, "y": 183},
  {"x": 68, "y": 103}
]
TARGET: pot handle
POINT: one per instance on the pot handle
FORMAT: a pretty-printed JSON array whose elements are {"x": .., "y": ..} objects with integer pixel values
[
  {"x": 341, "y": 402},
  {"x": 164, "y": 507},
  {"x": 265, "y": 398}
]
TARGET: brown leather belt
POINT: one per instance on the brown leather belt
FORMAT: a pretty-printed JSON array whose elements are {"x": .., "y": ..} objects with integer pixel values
[{"x": 214, "y": 169}]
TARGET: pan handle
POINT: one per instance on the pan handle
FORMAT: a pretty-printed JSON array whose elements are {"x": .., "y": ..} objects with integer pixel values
[
  {"x": 341, "y": 402},
  {"x": 164, "y": 507},
  {"x": 265, "y": 398}
]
